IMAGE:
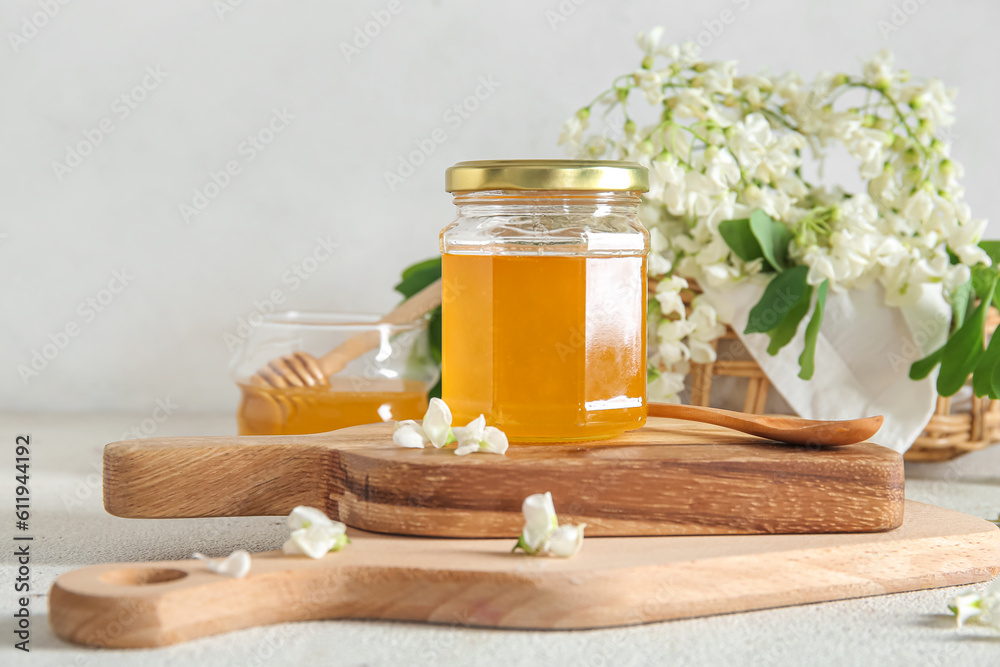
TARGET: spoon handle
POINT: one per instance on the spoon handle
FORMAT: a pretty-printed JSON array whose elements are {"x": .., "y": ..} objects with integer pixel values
[
  {"x": 413, "y": 308},
  {"x": 792, "y": 430}
]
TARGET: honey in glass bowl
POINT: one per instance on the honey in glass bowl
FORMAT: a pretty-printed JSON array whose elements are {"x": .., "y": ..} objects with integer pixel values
[
  {"x": 388, "y": 383},
  {"x": 544, "y": 304}
]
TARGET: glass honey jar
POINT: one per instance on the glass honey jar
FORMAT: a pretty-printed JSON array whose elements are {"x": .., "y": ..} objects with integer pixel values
[{"x": 544, "y": 297}]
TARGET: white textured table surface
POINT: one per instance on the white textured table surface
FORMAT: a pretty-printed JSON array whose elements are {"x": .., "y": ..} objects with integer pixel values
[{"x": 71, "y": 530}]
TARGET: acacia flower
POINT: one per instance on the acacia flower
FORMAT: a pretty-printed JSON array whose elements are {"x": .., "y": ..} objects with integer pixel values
[
  {"x": 236, "y": 564},
  {"x": 314, "y": 534},
  {"x": 542, "y": 534},
  {"x": 436, "y": 429},
  {"x": 478, "y": 437},
  {"x": 971, "y": 606}
]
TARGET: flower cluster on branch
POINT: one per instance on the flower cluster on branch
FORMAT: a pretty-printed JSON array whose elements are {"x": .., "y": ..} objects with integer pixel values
[{"x": 722, "y": 146}]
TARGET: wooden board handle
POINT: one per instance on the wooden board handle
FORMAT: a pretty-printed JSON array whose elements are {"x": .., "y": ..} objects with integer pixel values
[
  {"x": 130, "y": 605},
  {"x": 163, "y": 478}
]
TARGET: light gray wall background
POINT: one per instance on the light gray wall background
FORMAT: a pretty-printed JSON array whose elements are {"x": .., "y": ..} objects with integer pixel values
[{"x": 222, "y": 68}]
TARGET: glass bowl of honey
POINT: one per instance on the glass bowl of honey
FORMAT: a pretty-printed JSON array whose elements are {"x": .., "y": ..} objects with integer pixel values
[{"x": 388, "y": 381}]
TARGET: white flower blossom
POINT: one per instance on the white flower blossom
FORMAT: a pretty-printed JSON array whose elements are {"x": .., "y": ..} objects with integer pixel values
[
  {"x": 437, "y": 422},
  {"x": 980, "y": 608},
  {"x": 236, "y": 564},
  {"x": 478, "y": 437},
  {"x": 314, "y": 534},
  {"x": 542, "y": 534},
  {"x": 409, "y": 434},
  {"x": 729, "y": 143},
  {"x": 436, "y": 429}
]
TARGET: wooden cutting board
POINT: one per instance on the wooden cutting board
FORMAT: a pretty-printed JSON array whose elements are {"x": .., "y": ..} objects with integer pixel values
[
  {"x": 612, "y": 581},
  {"x": 669, "y": 478}
]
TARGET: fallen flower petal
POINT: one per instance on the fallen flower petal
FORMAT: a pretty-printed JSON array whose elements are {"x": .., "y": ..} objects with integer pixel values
[
  {"x": 565, "y": 541},
  {"x": 236, "y": 564},
  {"x": 437, "y": 423},
  {"x": 410, "y": 435},
  {"x": 314, "y": 534}
]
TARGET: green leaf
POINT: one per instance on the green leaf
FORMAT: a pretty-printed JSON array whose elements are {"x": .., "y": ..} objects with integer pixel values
[
  {"x": 995, "y": 383},
  {"x": 959, "y": 301},
  {"x": 986, "y": 370},
  {"x": 964, "y": 349},
  {"x": 419, "y": 276},
  {"x": 773, "y": 238},
  {"x": 923, "y": 367},
  {"x": 982, "y": 277},
  {"x": 782, "y": 334},
  {"x": 414, "y": 279},
  {"x": 807, "y": 360},
  {"x": 780, "y": 295},
  {"x": 992, "y": 248},
  {"x": 427, "y": 264},
  {"x": 740, "y": 239}
]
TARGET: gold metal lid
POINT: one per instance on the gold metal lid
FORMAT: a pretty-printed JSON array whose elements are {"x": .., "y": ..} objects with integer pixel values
[{"x": 593, "y": 175}]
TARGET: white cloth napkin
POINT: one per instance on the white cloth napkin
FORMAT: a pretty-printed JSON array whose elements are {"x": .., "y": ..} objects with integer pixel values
[{"x": 863, "y": 356}]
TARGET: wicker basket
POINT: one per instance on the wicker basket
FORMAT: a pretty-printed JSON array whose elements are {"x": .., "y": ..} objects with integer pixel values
[{"x": 949, "y": 433}]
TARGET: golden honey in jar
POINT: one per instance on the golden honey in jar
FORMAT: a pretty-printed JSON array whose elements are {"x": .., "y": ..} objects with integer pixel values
[{"x": 544, "y": 298}]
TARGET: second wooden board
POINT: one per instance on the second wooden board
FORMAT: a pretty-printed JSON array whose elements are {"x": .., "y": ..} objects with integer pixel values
[
  {"x": 669, "y": 478},
  {"x": 612, "y": 581}
]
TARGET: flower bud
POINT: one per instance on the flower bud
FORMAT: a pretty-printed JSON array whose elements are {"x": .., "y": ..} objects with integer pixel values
[
  {"x": 584, "y": 113},
  {"x": 911, "y": 155},
  {"x": 917, "y": 102},
  {"x": 647, "y": 62},
  {"x": 882, "y": 85},
  {"x": 840, "y": 80},
  {"x": 630, "y": 127},
  {"x": 646, "y": 146},
  {"x": 700, "y": 67},
  {"x": 622, "y": 94},
  {"x": 946, "y": 167}
]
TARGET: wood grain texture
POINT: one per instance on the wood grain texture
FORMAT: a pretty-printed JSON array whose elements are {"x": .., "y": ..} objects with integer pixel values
[
  {"x": 669, "y": 478},
  {"x": 612, "y": 581}
]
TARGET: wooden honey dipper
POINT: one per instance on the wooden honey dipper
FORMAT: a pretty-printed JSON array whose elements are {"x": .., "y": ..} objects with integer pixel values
[{"x": 301, "y": 369}]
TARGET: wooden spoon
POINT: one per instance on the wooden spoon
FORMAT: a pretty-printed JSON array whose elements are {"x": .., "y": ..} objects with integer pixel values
[
  {"x": 301, "y": 369},
  {"x": 793, "y": 430}
]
